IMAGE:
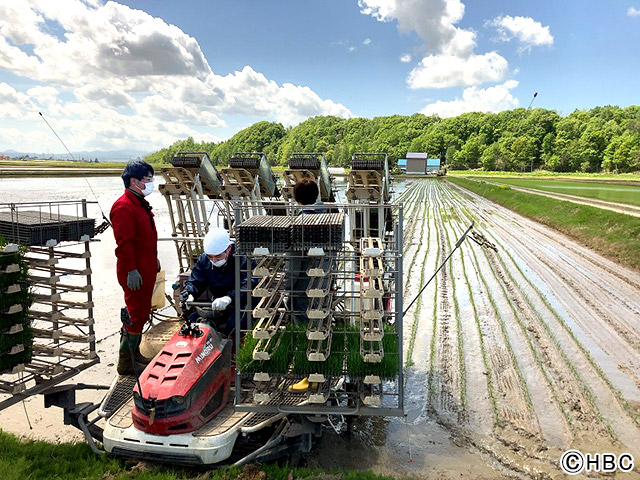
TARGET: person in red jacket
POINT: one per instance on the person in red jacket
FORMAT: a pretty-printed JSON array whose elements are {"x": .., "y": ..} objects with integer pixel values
[{"x": 137, "y": 257}]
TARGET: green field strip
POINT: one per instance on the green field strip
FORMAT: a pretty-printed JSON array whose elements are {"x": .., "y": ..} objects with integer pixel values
[
  {"x": 614, "y": 235},
  {"x": 607, "y": 192}
]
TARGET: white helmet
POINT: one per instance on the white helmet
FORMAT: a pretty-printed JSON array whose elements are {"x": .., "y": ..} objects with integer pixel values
[{"x": 216, "y": 241}]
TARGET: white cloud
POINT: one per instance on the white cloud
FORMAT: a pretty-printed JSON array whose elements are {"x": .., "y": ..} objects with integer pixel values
[
  {"x": 633, "y": 12},
  {"x": 441, "y": 71},
  {"x": 491, "y": 99},
  {"x": 366, "y": 41},
  {"x": 405, "y": 58},
  {"x": 149, "y": 80},
  {"x": 452, "y": 60},
  {"x": 13, "y": 104},
  {"x": 250, "y": 91},
  {"x": 351, "y": 49},
  {"x": 432, "y": 20},
  {"x": 526, "y": 30},
  {"x": 108, "y": 97}
]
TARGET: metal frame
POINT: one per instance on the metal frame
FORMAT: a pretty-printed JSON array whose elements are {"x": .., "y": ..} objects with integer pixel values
[
  {"x": 346, "y": 266},
  {"x": 69, "y": 339}
]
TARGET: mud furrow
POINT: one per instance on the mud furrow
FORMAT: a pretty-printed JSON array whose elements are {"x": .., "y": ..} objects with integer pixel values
[
  {"x": 574, "y": 397},
  {"x": 507, "y": 356},
  {"x": 421, "y": 329},
  {"x": 616, "y": 346},
  {"x": 607, "y": 399},
  {"x": 567, "y": 390},
  {"x": 545, "y": 404},
  {"x": 512, "y": 402},
  {"x": 446, "y": 369},
  {"x": 616, "y": 294},
  {"x": 619, "y": 343}
]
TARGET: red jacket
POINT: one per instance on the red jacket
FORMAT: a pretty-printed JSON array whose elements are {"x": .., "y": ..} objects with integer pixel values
[{"x": 136, "y": 237}]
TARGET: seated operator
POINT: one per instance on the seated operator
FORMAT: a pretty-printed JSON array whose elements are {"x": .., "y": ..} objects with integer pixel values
[
  {"x": 213, "y": 277},
  {"x": 306, "y": 193}
]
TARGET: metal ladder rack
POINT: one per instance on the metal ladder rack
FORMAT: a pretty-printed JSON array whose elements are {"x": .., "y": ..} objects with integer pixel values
[
  {"x": 58, "y": 321},
  {"x": 352, "y": 313}
]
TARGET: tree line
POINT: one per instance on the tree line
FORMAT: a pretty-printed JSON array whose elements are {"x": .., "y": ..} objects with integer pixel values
[{"x": 601, "y": 139}]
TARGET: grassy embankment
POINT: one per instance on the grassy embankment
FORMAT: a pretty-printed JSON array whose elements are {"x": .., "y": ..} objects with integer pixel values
[
  {"x": 614, "y": 235},
  {"x": 622, "y": 177},
  {"x": 628, "y": 192},
  {"x": 21, "y": 459}
]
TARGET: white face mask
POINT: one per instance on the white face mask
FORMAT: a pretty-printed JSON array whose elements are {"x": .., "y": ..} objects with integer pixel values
[
  {"x": 148, "y": 188},
  {"x": 220, "y": 263}
]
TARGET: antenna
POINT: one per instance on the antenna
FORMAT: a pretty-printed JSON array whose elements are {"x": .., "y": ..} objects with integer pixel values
[
  {"x": 54, "y": 132},
  {"x": 106, "y": 224}
]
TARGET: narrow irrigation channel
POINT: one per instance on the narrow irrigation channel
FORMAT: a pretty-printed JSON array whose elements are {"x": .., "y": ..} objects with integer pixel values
[{"x": 525, "y": 345}]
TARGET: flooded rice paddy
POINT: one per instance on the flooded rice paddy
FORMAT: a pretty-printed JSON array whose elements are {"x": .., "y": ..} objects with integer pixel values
[{"x": 525, "y": 345}]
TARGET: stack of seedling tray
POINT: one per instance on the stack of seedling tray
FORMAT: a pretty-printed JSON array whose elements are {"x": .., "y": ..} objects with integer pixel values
[
  {"x": 279, "y": 233},
  {"x": 74, "y": 228},
  {"x": 201, "y": 162},
  {"x": 264, "y": 231},
  {"x": 29, "y": 228},
  {"x": 324, "y": 230},
  {"x": 256, "y": 163},
  {"x": 35, "y": 228},
  {"x": 300, "y": 161},
  {"x": 367, "y": 164},
  {"x": 16, "y": 336}
]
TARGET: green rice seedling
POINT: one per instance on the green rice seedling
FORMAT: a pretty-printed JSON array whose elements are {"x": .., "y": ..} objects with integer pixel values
[
  {"x": 244, "y": 357},
  {"x": 280, "y": 350},
  {"x": 332, "y": 366},
  {"x": 7, "y": 300},
  {"x": 387, "y": 368}
]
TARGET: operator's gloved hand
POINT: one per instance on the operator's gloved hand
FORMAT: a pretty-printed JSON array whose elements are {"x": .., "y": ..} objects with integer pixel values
[
  {"x": 159, "y": 267},
  {"x": 186, "y": 296},
  {"x": 134, "y": 280},
  {"x": 221, "y": 303}
]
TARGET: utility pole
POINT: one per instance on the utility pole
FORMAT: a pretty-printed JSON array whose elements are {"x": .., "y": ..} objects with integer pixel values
[{"x": 528, "y": 108}]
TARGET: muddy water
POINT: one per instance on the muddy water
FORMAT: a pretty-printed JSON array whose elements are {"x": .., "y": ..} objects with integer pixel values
[{"x": 514, "y": 355}]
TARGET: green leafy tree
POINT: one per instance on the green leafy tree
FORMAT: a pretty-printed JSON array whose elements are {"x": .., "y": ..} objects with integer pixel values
[{"x": 603, "y": 138}]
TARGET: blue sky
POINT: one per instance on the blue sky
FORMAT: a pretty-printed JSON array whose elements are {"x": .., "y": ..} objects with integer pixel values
[{"x": 141, "y": 74}]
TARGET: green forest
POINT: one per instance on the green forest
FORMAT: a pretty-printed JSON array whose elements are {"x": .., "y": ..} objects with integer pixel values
[{"x": 603, "y": 139}]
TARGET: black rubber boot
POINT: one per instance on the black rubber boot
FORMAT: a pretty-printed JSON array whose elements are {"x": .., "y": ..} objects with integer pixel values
[
  {"x": 125, "y": 365},
  {"x": 137, "y": 354}
]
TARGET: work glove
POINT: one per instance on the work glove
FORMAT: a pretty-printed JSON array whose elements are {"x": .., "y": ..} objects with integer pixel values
[
  {"x": 186, "y": 296},
  {"x": 159, "y": 267},
  {"x": 134, "y": 280},
  {"x": 221, "y": 303}
]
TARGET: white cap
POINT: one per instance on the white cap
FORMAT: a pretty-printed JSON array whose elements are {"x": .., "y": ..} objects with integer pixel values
[{"x": 216, "y": 241}]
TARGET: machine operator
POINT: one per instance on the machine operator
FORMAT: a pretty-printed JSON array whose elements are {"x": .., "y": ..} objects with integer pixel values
[{"x": 213, "y": 278}]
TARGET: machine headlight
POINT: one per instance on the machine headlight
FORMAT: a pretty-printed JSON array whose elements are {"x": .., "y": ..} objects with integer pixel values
[{"x": 177, "y": 399}]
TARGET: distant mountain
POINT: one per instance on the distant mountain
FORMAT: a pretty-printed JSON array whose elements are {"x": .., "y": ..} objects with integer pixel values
[{"x": 111, "y": 156}]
